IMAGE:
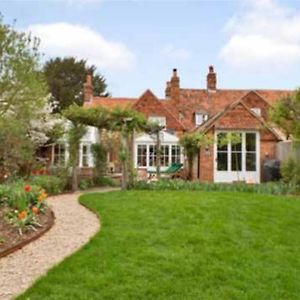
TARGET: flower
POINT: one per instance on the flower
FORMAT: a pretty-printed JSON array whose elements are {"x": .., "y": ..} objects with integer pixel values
[
  {"x": 27, "y": 188},
  {"x": 35, "y": 210},
  {"x": 42, "y": 196},
  {"x": 22, "y": 215}
]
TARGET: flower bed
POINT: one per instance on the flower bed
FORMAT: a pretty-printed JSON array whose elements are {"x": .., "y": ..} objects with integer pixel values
[{"x": 24, "y": 214}]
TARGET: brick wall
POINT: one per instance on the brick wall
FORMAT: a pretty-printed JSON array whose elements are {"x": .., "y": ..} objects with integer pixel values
[{"x": 149, "y": 105}]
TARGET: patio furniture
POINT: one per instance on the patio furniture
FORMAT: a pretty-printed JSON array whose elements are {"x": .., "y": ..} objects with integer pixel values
[{"x": 170, "y": 172}]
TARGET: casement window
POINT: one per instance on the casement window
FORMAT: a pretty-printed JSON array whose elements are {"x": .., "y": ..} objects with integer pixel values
[
  {"x": 175, "y": 154},
  {"x": 256, "y": 110},
  {"x": 146, "y": 155},
  {"x": 164, "y": 155},
  {"x": 160, "y": 120},
  {"x": 200, "y": 117},
  {"x": 59, "y": 155},
  {"x": 152, "y": 155},
  {"x": 142, "y": 155},
  {"x": 85, "y": 155}
]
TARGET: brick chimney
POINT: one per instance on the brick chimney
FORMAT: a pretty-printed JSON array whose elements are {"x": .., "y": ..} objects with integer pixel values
[
  {"x": 211, "y": 79},
  {"x": 175, "y": 86},
  {"x": 168, "y": 89},
  {"x": 88, "y": 88}
]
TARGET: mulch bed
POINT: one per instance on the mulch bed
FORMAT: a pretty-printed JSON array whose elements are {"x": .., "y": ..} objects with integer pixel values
[{"x": 11, "y": 240}]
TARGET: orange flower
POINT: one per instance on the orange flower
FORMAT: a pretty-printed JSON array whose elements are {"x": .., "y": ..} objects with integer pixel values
[
  {"x": 42, "y": 196},
  {"x": 27, "y": 188},
  {"x": 22, "y": 215},
  {"x": 35, "y": 210}
]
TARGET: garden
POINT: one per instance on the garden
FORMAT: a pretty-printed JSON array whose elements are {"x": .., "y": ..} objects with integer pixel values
[{"x": 183, "y": 245}]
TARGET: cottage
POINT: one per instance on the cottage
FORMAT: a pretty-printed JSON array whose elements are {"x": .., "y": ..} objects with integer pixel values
[{"x": 211, "y": 111}]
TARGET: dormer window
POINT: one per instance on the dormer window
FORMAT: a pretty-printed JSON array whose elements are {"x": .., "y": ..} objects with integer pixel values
[
  {"x": 160, "y": 120},
  {"x": 256, "y": 110},
  {"x": 200, "y": 117}
]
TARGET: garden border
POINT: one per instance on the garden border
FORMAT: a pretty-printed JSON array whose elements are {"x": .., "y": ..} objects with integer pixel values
[{"x": 33, "y": 238}]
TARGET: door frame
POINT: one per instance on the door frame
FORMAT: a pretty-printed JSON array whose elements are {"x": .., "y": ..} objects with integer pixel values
[{"x": 243, "y": 175}]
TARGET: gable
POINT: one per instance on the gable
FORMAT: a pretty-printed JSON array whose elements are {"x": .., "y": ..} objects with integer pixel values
[
  {"x": 149, "y": 105},
  {"x": 254, "y": 100},
  {"x": 238, "y": 118}
]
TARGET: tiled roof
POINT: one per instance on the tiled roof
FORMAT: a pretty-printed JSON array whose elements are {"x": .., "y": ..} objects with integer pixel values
[
  {"x": 192, "y": 101},
  {"x": 111, "y": 102}
]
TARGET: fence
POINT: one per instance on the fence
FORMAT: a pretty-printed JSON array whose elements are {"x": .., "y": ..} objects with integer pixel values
[{"x": 287, "y": 149}]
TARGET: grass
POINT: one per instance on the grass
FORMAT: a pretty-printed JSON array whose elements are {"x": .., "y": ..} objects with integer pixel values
[{"x": 183, "y": 245}]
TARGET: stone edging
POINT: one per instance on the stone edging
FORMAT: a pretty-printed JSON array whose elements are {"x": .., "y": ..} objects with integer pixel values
[{"x": 33, "y": 238}]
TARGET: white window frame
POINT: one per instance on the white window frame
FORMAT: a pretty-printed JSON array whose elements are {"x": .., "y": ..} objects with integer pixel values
[
  {"x": 229, "y": 175},
  {"x": 59, "y": 145},
  {"x": 256, "y": 110},
  {"x": 169, "y": 155},
  {"x": 88, "y": 155},
  {"x": 200, "y": 118}
]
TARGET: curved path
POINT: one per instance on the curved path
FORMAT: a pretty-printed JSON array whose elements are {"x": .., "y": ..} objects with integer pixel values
[{"x": 74, "y": 226}]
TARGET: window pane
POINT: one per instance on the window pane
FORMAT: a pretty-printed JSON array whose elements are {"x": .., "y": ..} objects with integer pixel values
[
  {"x": 152, "y": 155},
  {"x": 250, "y": 161},
  {"x": 236, "y": 142},
  {"x": 142, "y": 155},
  {"x": 250, "y": 141},
  {"x": 236, "y": 161},
  {"x": 222, "y": 161},
  {"x": 175, "y": 154},
  {"x": 164, "y": 158},
  {"x": 222, "y": 141}
]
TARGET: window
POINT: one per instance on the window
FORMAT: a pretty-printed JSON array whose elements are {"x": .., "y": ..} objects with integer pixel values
[
  {"x": 200, "y": 118},
  {"x": 236, "y": 151},
  {"x": 152, "y": 155},
  {"x": 161, "y": 120},
  {"x": 59, "y": 158},
  {"x": 175, "y": 154},
  {"x": 222, "y": 152},
  {"x": 85, "y": 155},
  {"x": 256, "y": 110},
  {"x": 164, "y": 155},
  {"x": 250, "y": 152},
  {"x": 142, "y": 155}
]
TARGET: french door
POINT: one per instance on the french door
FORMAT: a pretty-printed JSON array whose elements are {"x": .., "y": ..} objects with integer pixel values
[{"x": 236, "y": 156}]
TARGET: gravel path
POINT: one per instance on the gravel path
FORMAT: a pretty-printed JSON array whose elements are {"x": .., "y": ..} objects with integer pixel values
[{"x": 74, "y": 226}]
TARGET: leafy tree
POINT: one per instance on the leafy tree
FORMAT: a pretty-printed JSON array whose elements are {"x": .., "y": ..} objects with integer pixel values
[
  {"x": 125, "y": 121},
  {"x": 23, "y": 97},
  {"x": 65, "y": 78},
  {"x": 191, "y": 142},
  {"x": 286, "y": 114}
]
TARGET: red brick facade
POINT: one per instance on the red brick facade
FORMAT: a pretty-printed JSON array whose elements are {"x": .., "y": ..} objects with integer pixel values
[{"x": 226, "y": 110}]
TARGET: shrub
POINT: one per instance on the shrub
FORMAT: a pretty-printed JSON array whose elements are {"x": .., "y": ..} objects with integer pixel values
[
  {"x": 105, "y": 181},
  {"x": 290, "y": 171},
  {"x": 86, "y": 183},
  {"x": 275, "y": 188},
  {"x": 51, "y": 184}
]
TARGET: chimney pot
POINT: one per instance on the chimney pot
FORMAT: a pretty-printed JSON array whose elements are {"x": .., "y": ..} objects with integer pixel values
[{"x": 211, "y": 79}]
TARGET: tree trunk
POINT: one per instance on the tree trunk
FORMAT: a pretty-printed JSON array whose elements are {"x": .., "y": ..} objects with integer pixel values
[
  {"x": 124, "y": 159},
  {"x": 191, "y": 164},
  {"x": 130, "y": 160},
  {"x": 158, "y": 155}
]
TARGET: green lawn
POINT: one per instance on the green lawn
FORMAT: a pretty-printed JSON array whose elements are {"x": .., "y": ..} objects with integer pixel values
[{"x": 183, "y": 245}]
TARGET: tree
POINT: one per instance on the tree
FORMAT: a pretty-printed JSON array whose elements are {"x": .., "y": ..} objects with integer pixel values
[
  {"x": 65, "y": 78},
  {"x": 191, "y": 142},
  {"x": 286, "y": 114},
  {"x": 23, "y": 99},
  {"x": 155, "y": 129},
  {"x": 125, "y": 121},
  {"x": 75, "y": 134}
]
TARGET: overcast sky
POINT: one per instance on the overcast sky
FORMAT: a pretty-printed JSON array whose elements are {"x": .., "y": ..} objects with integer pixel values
[{"x": 136, "y": 44}]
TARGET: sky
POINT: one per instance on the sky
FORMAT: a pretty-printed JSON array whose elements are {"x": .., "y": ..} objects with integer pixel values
[{"x": 136, "y": 44}]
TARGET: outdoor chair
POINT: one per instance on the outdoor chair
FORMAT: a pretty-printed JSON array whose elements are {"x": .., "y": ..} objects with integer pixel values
[{"x": 170, "y": 172}]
